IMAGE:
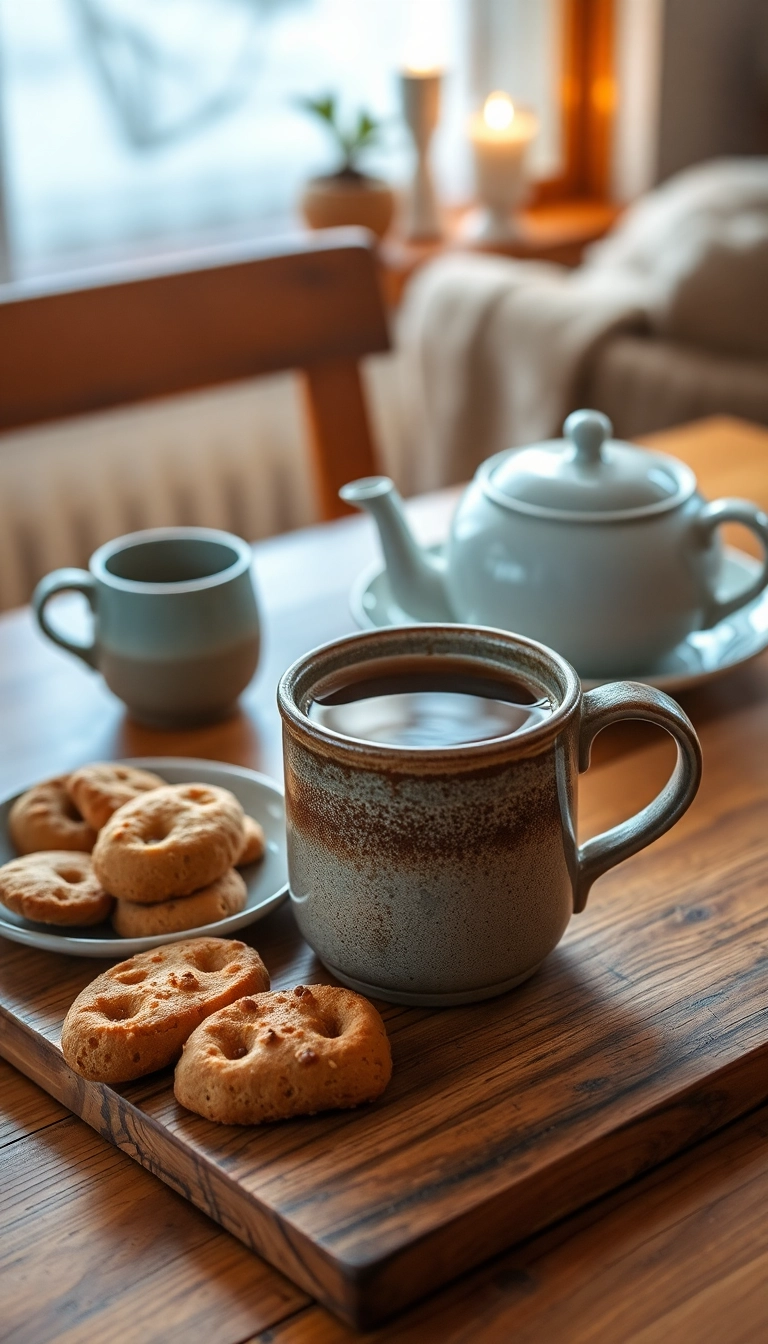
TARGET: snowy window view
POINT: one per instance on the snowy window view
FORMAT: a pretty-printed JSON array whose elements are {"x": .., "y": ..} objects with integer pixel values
[{"x": 132, "y": 126}]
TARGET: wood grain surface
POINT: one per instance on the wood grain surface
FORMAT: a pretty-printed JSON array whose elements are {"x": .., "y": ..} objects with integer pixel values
[
  {"x": 665, "y": 1014},
  {"x": 157, "y": 1269},
  {"x": 134, "y": 332},
  {"x": 679, "y": 1255},
  {"x": 644, "y": 1030}
]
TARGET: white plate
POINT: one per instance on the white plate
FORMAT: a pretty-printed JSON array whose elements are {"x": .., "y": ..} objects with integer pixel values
[
  {"x": 703, "y": 655},
  {"x": 267, "y": 881}
]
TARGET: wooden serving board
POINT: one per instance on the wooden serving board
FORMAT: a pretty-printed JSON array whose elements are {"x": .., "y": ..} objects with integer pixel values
[{"x": 646, "y": 1029}]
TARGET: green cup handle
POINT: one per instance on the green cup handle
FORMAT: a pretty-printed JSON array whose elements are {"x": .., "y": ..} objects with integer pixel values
[
  {"x": 633, "y": 700},
  {"x": 64, "y": 581}
]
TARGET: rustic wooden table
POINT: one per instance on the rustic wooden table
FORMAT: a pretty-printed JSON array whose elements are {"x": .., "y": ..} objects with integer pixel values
[{"x": 93, "y": 1247}]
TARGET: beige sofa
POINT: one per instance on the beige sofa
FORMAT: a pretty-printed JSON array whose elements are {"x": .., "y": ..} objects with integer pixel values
[
  {"x": 664, "y": 322},
  {"x": 645, "y": 383}
]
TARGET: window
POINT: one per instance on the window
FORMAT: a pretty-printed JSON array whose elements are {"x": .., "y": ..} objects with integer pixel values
[{"x": 134, "y": 126}]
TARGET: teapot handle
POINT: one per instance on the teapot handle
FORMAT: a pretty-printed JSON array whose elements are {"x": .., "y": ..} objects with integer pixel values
[
  {"x": 710, "y": 517},
  {"x": 634, "y": 700}
]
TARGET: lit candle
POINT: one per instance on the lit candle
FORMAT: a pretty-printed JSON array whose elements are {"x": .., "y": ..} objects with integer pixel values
[{"x": 501, "y": 135}]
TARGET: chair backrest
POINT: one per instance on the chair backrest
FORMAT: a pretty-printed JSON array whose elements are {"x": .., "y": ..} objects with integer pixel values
[{"x": 109, "y": 338}]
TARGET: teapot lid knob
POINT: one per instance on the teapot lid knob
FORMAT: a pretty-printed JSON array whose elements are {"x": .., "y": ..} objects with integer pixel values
[{"x": 588, "y": 431}]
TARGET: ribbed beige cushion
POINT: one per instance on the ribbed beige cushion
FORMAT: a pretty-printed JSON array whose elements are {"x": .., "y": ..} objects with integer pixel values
[
  {"x": 721, "y": 297},
  {"x": 645, "y": 383}
]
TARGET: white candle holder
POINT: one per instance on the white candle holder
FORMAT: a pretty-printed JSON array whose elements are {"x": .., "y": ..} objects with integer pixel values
[
  {"x": 501, "y": 136},
  {"x": 420, "y": 94}
]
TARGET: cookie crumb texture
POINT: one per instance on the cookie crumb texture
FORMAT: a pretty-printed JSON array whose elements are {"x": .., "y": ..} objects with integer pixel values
[
  {"x": 98, "y": 790},
  {"x": 291, "y": 1052},
  {"x": 55, "y": 887},
  {"x": 135, "y": 1018},
  {"x": 226, "y": 896},
  {"x": 45, "y": 818},
  {"x": 169, "y": 842},
  {"x": 254, "y": 843}
]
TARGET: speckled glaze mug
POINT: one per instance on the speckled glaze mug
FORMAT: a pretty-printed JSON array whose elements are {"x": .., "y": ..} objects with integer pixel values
[{"x": 442, "y": 875}]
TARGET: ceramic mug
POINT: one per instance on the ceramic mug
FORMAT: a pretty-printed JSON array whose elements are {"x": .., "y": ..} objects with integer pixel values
[
  {"x": 442, "y": 875},
  {"x": 176, "y": 625}
]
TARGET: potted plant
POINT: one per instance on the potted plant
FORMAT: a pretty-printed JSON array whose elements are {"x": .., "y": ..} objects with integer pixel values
[{"x": 348, "y": 195}]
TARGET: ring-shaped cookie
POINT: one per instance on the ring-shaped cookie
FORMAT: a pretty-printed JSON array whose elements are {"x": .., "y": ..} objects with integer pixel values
[
  {"x": 135, "y": 1017},
  {"x": 45, "y": 817},
  {"x": 98, "y": 790},
  {"x": 169, "y": 842},
  {"x": 226, "y": 896},
  {"x": 289, "y": 1052},
  {"x": 54, "y": 887},
  {"x": 254, "y": 843}
]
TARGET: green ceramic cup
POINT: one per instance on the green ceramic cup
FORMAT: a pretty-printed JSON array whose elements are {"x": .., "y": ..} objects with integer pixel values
[{"x": 175, "y": 621}]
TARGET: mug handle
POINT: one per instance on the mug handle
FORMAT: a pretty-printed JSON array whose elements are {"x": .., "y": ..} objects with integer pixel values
[
  {"x": 62, "y": 581},
  {"x": 633, "y": 700},
  {"x": 749, "y": 515}
]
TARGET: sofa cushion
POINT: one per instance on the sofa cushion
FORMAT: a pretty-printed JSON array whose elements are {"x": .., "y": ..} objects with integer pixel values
[
  {"x": 645, "y": 384},
  {"x": 698, "y": 248},
  {"x": 720, "y": 298}
]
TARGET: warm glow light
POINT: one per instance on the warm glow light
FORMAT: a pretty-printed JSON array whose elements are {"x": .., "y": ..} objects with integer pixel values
[
  {"x": 423, "y": 50},
  {"x": 498, "y": 112}
]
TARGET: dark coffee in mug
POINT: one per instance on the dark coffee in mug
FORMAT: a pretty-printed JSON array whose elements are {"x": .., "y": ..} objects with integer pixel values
[
  {"x": 447, "y": 871},
  {"x": 425, "y": 703}
]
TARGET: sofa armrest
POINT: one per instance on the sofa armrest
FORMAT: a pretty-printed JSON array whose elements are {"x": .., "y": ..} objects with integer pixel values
[{"x": 645, "y": 383}]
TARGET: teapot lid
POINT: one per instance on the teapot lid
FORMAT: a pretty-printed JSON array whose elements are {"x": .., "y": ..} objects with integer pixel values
[{"x": 587, "y": 476}]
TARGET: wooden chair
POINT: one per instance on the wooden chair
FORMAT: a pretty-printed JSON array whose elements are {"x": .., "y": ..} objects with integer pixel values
[{"x": 105, "y": 339}]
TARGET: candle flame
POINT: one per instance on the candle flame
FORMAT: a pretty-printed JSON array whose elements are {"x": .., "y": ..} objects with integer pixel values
[{"x": 499, "y": 111}]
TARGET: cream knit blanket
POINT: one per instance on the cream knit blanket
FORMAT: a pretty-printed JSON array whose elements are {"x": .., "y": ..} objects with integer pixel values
[{"x": 493, "y": 351}]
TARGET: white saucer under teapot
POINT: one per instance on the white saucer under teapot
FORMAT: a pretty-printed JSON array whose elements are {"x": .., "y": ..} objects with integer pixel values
[{"x": 601, "y": 549}]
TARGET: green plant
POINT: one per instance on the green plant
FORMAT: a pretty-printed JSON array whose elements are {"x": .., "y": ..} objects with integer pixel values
[{"x": 351, "y": 142}]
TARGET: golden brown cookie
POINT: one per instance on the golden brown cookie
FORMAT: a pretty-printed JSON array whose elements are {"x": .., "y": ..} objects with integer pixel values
[
  {"x": 293, "y": 1052},
  {"x": 135, "y": 1018},
  {"x": 46, "y": 818},
  {"x": 226, "y": 896},
  {"x": 98, "y": 790},
  {"x": 169, "y": 842},
  {"x": 254, "y": 844},
  {"x": 54, "y": 887}
]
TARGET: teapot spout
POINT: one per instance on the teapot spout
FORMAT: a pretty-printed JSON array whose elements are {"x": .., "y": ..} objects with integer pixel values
[{"x": 417, "y": 579}]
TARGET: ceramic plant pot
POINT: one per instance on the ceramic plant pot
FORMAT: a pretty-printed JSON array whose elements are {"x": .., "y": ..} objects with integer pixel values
[{"x": 346, "y": 199}]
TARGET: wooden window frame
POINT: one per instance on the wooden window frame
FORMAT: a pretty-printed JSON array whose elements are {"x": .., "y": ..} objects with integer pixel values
[{"x": 588, "y": 104}]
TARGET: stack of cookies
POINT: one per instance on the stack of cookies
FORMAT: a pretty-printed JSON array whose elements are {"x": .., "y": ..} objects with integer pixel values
[
  {"x": 163, "y": 858},
  {"x": 168, "y": 857}
]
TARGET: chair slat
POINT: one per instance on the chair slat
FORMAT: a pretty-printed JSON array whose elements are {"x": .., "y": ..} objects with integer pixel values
[{"x": 124, "y": 336}]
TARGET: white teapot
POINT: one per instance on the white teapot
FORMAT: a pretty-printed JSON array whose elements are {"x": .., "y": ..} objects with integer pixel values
[{"x": 598, "y": 548}]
